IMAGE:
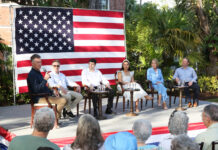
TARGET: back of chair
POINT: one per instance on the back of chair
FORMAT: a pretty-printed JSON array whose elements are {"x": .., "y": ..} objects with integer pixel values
[{"x": 214, "y": 145}]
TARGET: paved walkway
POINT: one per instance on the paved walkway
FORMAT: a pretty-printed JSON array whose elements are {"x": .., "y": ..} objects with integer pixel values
[{"x": 17, "y": 119}]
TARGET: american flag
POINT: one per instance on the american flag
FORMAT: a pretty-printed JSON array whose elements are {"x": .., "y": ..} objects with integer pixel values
[{"x": 72, "y": 36}]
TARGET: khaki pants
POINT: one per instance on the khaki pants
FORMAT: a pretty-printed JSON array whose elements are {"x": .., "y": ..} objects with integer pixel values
[
  {"x": 60, "y": 101},
  {"x": 69, "y": 96}
]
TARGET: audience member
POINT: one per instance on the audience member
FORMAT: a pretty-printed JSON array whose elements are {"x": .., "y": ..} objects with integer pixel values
[
  {"x": 44, "y": 120},
  {"x": 210, "y": 120},
  {"x": 178, "y": 124},
  {"x": 142, "y": 129},
  {"x": 45, "y": 148},
  {"x": 121, "y": 141},
  {"x": 183, "y": 142},
  {"x": 88, "y": 135}
]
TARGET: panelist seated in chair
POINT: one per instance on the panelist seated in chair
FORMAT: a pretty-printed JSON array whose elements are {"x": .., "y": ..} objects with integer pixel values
[
  {"x": 188, "y": 76},
  {"x": 154, "y": 75},
  {"x": 92, "y": 78},
  {"x": 58, "y": 80},
  {"x": 37, "y": 85},
  {"x": 125, "y": 77}
]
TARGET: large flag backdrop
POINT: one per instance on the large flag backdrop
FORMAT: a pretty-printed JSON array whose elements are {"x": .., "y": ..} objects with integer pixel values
[{"x": 72, "y": 36}]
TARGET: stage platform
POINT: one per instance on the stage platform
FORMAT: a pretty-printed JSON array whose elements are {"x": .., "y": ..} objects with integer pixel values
[{"x": 17, "y": 118}]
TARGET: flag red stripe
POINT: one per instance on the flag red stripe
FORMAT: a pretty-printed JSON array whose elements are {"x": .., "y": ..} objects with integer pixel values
[
  {"x": 24, "y": 89},
  {"x": 27, "y": 63},
  {"x": 99, "y": 49},
  {"x": 100, "y": 13},
  {"x": 23, "y": 76},
  {"x": 98, "y": 25},
  {"x": 98, "y": 37}
]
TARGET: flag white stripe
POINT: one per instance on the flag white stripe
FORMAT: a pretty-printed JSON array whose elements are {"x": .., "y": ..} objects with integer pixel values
[
  {"x": 71, "y": 78},
  {"x": 97, "y": 19},
  {"x": 66, "y": 55},
  {"x": 72, "y": 67},
  {"x": 99, "y": 43},
  {"x": 98, "y": 31}
]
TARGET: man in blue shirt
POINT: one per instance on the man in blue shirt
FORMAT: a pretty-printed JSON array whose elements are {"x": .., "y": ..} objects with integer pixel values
[
  {"x": 37, "y": 85},
  {"x": 188, "y": 76}
]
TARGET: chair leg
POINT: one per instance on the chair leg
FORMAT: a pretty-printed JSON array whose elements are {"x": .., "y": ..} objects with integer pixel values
[
  {"x": 85, "y": 101},
  {"x": 141, "y": 103},
  {"x": 152, "y": 101},
  {"x": 127, "y": 103},
  {"x": 32, "y": 116},
  {"x": 146, "y": 102},
  {"x": 77, "y": 110},
  {"x": 117, "y": 101},
  {"x": 89, "y": 106},
  {"x": 124, "y": 104},
  {"x": 170, "y": 100}
]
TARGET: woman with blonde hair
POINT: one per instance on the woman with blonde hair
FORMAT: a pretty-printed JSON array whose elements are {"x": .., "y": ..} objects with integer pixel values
[
  {"x": 126, "y": 76},
  {"x": 88, "y": 135},
  {"x": 154, "y": 74}
]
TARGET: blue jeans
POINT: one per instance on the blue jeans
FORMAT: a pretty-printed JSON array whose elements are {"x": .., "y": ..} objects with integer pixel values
[{"x": 160, "y": 88}]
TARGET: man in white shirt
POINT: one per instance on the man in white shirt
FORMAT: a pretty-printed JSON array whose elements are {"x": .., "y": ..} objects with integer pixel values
[
  {"x": 60, "y": 81},
  {"x": 92, "y": 78}
]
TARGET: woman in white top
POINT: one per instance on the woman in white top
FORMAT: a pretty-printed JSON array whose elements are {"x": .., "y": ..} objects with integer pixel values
[
  {"x": 88, "y": 135},
  {"x": 125, "y": 76}
]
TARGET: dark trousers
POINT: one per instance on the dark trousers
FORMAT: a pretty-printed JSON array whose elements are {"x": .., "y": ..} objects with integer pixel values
[
  {"x": 196, "y": 89},
  {"x": 95, "y": 99}
]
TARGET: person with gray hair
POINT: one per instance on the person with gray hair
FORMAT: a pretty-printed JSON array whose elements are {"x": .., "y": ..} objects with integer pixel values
[
  {"x": 142, "y": 130},
  {"x": 88, "y": 135},
  {"x": 210, "y": 120},
  {"x": 183, "y": 142},
  {"x": 44, "y": 120},
  {"x": 177, "y": 125}
]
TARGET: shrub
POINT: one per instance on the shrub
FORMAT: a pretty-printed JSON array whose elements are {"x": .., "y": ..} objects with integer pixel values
[{"x": 208, "y": 84}]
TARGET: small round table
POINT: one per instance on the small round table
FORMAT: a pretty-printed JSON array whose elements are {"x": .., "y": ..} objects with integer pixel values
[
  {"x": 131, "y": 90},
  {"x": 181, "y": 88},
  {"x": 100, "y": 93}
]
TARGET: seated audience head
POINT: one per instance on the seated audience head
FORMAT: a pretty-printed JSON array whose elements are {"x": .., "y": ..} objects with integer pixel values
[
  {"x": 121, "y": 141},
  {"x": 88, "y": 134},
  {"x": 183, "y": 142},
  {"x": 210, "y": 115},
  {"x": 92, "y": 64},
  {"x": 178, "y": 123},
  {"x": 154, "y": 63},
  {"x": 36, "y": 61},
  {"x": 142, "y": 129},
  {"x": 126, "y": 65},
  {"x": 44, "y": 120},
  {"x": 56, "y": 66}
]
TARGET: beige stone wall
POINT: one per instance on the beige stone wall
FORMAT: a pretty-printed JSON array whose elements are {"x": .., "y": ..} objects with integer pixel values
[{"x": 5, "y": 27}]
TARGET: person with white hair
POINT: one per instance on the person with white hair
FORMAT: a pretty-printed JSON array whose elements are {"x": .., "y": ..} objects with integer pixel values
[
  {"x": 142, "y": 130},
  {"x": 44, "y": 120},
  {"x": 210, "y": 120},
  {"x": 177, "y": 125},
  {"x": 183, "y": 142}
]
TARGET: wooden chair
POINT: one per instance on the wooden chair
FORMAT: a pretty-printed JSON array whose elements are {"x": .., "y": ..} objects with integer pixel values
[
  {"x": 119, "y": 93},
  {"x": 87, "y": 96},
  {"x": 150, "y": 90},
  {"x": 214, "y": 145},
  {"x": 35, "y": 106}
]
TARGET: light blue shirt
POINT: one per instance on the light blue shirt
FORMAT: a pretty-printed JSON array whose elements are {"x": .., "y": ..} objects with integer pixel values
[
  {"x": 186, "y": 75},
  {"x": 154, "y": 77}
]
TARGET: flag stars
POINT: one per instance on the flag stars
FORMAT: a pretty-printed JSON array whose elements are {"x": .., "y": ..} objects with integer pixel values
[
  {"x": 25, "y": 16},
  {"x": 51, "y": 48},
  {"x": 21, "y": 49},
  {"x": 25, "y": 26},
  {"x": 35, "y": 26},
  {"x": 68, "y": 30},
  {"x": 59, "y": 13},
  {"x": 40, "y": 30},
  {"x": 68, "y": 39},
  {"x": 35, "y": 17},
  {"x": 55, "y": 43},
  {"x": 26, "y": 35},
  {"x": 41, "y": 39},
  {"x": 41, "y": 48},
  {"x": 60, "y": 48},
  {"x": 26, "y": 44},
  {"x": 30, "y": 21},
  {"x": 31, "y": 39},
  {"x": 36, "y": 44},
  {"x": 64, "y": 35},
  {"x": 30, "y": 12},
  {"x": 45, "y": 26},
  {"x": 54, "y": 17},
  {"x": 20, "y": 21},
  {"x": 31, "y": 49},
  {"x": 46, "y": 43},
  {"x": 40, "y": 21},
  {"x": 68, "y": 22},
  {"x": 40, "y": 12},
  {"x": 36, "y": 35},
  {"x": 49, "y": 13},
  {"x": 21, "y": 40},
  {"x": 63, "y": 17},
  {"x": 59, "y": 30},
  {"x": 54, "y": 26},
  {"x": 30, "y": 31},
  {"x": 50, "y": 39},
  {"x": 50, "y": 30},
  {"x": 59, "y": 21},
  {"x": 49, "y": 22},
  {"x": 65, "y": 43},
  {"x": 55, "y": 35},
  {"x": 68, "y": 13},
  {"x": 45, "y": 35},
  {"x": 20, "y": 12},
  {"x": 64, "y": 26},
  {"x": 45, "y": 17},
  {"x": 69, "y": 47},
  {"x": 20, "y": 31}
]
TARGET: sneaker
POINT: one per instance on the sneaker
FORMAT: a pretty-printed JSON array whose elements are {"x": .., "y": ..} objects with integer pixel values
[
  {"x": 70, "y": 114},
  {"x": 108, "y": 111}
]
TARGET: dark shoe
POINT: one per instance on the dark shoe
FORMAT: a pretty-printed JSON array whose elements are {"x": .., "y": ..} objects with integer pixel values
[
  {"x": 64, "y": 113},
  {"x": 195, "y": 104},
  {"x": 70, "y": 114},
  {"x": 108, "y": 111},
  {"x": 189, "y": 105}
]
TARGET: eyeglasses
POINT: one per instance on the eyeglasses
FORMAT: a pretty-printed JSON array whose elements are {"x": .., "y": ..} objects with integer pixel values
[{"x": 56, "y": 66}]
